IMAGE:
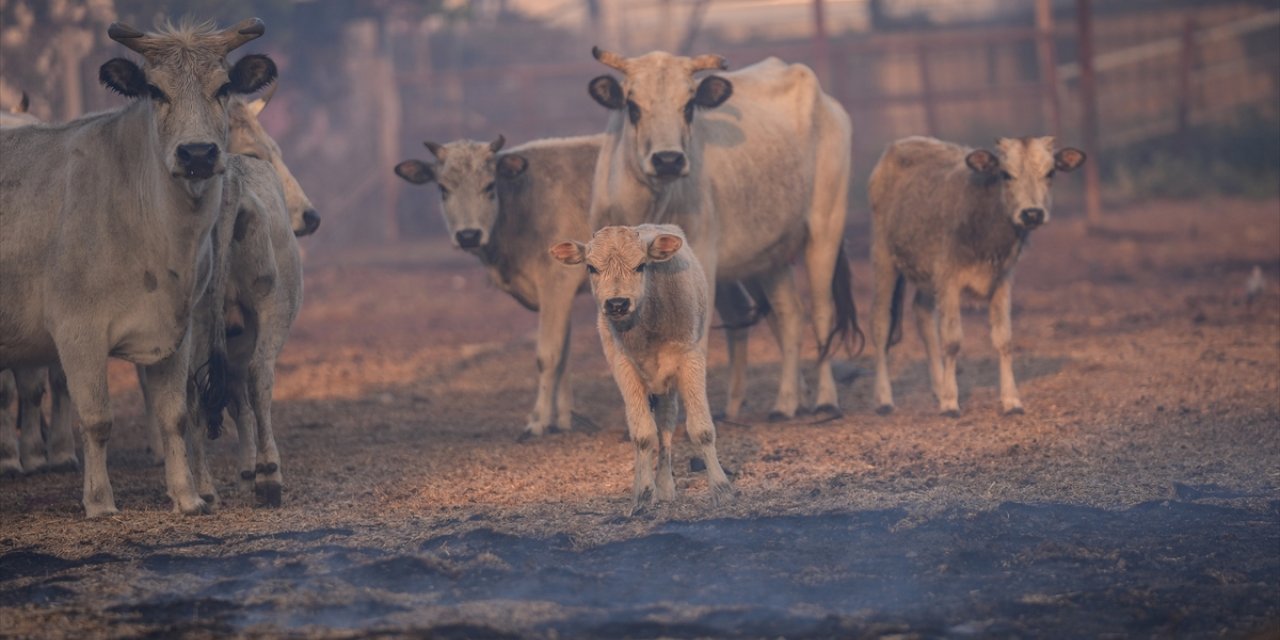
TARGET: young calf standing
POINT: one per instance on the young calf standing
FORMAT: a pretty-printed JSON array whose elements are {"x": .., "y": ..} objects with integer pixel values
[
  {"x": 952, "y": 220},
  {"x": 654, "y": 312}
]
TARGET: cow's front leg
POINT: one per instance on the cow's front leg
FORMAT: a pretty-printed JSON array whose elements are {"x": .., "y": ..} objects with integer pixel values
[
  {"x": 789, "y": 314},
  {"x": 31, "y": 424},
  {"x": 1002, "y": 339},
  {"x": 85, "y": 363},
  {"x": 666, "y": 413},
  {"x": 552, "y": 352},
  {"x": 951, "y": 333},
  {"x": 62, "y": 436},
  {"x": 10, "y": 462},
  {"x": 692, "y": 384},
  {"x": 166, "y": 395}
]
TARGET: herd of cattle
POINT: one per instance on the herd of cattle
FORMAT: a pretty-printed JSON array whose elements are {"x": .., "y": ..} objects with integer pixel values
[{"x": 164, "y": 233}]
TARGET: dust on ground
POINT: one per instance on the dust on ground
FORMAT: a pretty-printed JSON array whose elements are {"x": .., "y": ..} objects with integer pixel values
[{"x": 1138, "y": 495}]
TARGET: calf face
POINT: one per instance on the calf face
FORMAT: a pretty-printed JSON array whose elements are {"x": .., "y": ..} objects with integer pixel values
[
  {"x": 616, "y": 259},
  {"x": 660, "y": 98},
  {"x": 187, "y": 83},
  {"x": 1023, "y": 169},
  {"x": 250, "y": 139},
  {"x": 467, "y": 173}
]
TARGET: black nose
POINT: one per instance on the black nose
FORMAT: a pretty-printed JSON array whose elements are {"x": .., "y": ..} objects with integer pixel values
[
  {"x": 667, "y": 163},
  {"x": 616, "y": 306},
  {"x": 310, "y": 222},
  {"x": 468, "y": 238},
  {"x": 197, "y": 159},
  {"x": 1032, "y": 217}
]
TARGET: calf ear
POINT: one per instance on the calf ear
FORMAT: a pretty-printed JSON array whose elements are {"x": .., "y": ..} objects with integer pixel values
[
  {"x": 1068, "y": 159},
  {"x": 712, "y": 92},
  {"x": 511, "y": 166},
  {"x": 606, "y": 91},
  {"x": 415, "y": 171},
  {"x": 664, "y": 246},
  {"x": 569, "y": 252},
  {"x": 251, "y": 73},
  {"x": 123, "y": 77},
  {"x": 982, "y": 161}
]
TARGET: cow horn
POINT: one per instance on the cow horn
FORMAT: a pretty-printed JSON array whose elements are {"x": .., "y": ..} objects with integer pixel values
[
  {"x": 709, "y": 62},
  {"x": 610, "y": 59},
  {"x": 241, "y": 33},
  {"x": 436, "y": 148},
  {"x": 496, "y": 145},
  {"x": 127, "y": 36}
]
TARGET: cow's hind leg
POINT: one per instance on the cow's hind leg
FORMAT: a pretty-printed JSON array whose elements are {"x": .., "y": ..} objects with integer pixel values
[
  {"x": 788, "y": 311},
  {"x": 692, "y": 384},
  {"x": 31, "y": 423},
  {"x": 886, "y": 283},
  {"x": 925, "y": 310},
  {"x": 246, "y": 433},
  {"x": 268, "y": 481},
  {"x": 1002, "y": 339},
  {"x": 10, "y": 463},
  {"x": 735, "y": 307},
  {"x": 666, "y": 413},
  {"x": 62, "y": 437},
  {"x": 952, "y": 333}
]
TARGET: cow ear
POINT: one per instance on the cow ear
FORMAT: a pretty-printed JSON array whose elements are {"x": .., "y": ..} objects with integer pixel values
[
  {"x": 569, "y": 252},
  {"x": 511, "y": 166},
  {"x": 415, "y": 171},
  {"x": 436, "y": 149},
  {"x": 252, "y": 73},
  {"x": 712, "y": 92},
  {"x": 606, "y": 91},
  {"x": 123, "y": 77},
  {"x": 982, "y": 161},
  {"x": 1068, "y": 159},
  {"x": 664, "y": 247}
]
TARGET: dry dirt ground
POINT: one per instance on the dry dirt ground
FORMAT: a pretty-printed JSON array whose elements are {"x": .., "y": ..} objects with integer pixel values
[{"x": 1138, "y": 496}]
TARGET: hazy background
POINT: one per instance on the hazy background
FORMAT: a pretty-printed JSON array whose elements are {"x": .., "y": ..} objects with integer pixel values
[{"x": 1188, "y": 92}]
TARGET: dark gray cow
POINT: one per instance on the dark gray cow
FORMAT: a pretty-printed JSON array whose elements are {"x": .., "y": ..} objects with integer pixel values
[
  {"x": 954, "y": 220},
  {"x": 105, "y": 247}
]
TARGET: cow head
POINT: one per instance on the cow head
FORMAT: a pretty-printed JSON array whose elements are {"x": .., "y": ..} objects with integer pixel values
[
  {"x": 250, "y": 139},
  {"x": 1023, "y": 169},
  {"x": 658, "y": 99},
  {"x": 618, "y": 261},
  {"x": 467, "y": 173},
  {"x": 187, "y": 83}
]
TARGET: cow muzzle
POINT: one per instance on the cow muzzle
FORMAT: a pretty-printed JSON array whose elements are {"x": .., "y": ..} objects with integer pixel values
[
  {"x": 1032, "y": 218},
  {"x": 197, "y": 160},
  {"x": 468, "y": 238},
  {"x": 617, "y": 307},
  {"x": 310, "y": 222},
  {"x": 668, "y": 164}
]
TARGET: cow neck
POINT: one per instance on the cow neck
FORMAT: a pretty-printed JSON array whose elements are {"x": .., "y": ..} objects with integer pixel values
[{"x": 988, "y": 232}]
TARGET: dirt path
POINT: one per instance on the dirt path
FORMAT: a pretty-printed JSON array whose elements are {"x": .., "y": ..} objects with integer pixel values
[{"x": 1140, "y": 495}]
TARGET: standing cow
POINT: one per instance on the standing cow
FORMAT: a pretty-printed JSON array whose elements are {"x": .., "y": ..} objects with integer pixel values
[
  {"x": 653, "y": 306},
  {"x": 105, "y": 242},
  {"x": 754, "y": 166},
  {"x": 953, "y": 220}
]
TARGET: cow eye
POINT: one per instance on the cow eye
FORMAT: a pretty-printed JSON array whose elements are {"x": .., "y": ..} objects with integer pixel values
[
  {"x": 1051, "y": 172},
  {"x": 156, "y": 93},
  {"x": 633, "y": 112},
  {"x": 688, "y": 111},
  {"x": 253, "y": 155},
  {"x": 1006, "y": 175},
  {"x": 488, "y": 188},
  {"x": 592, "y": 270},
  {"x": 640, "y": 268}
]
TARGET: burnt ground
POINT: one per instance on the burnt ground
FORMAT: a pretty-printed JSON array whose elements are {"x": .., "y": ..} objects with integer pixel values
[{"x": 1139, "y": 495}]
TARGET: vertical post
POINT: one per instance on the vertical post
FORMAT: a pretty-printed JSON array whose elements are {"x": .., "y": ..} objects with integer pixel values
[
  {"x": 1046, "y": 48},
  {"x": 926, "y": 92},
  {"x": 1089, "y": 111},
  {"x": 1185, "y": 62},
  {"x": 821, "y": 52}
]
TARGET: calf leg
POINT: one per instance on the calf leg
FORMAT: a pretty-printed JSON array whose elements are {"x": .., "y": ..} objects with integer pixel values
[
  {"x": 885, "y": 280},
  {"x": 553, "y": 342},
  {"x": 10, "y": 463},
  {"x": 949, "y": 324},
  {"x": 61, "y": 437},
  {"x": 268, "y": 483},
  {"x": 925, "y": 311},
  {"x": 31, "y": 424},
  {"x": 666, "y": 414},
  {"x": 166, "y": 384},
  {"x": 692, "y": 385},
  {"x": 1002, "y": 339},
  {"x": 642, "y": 429}
]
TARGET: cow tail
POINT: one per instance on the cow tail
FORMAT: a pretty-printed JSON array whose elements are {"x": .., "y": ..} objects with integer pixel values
[
  {"x": 212, "y": 377},
  {"x": 845, "y": 328},
  {"x": 895, "y": 311}
]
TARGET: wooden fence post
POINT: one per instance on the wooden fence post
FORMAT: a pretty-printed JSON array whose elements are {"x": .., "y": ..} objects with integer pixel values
[
  {"x": 1046, "y": 48},
  {"x": 1186, "y": 60},
  {"x": 1089, "y": 112},
  {"x": 926, "y": 92}
]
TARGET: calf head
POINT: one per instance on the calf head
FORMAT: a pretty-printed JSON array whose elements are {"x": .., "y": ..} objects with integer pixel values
[
  {"x": 187, "y": 83},
  {"x": 617, "y": 260},
  {"x": 658, "y": 99},
  {"x": 467, "y": 173},
  {"x": 1023, "y": 169},
  {"x": 250, "y": 139}
]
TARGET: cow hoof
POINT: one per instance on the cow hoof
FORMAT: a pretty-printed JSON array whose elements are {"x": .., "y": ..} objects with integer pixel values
[
  {"x": 269, "y": 494},
  {"x": 526, "y": 436},
  {"x": 554, "y": 429},
  {"x": 778, "y": 416},
  {"x": 1015, "y": 410},
  {"x": 247, "y": 474},
  {"x": 722, "y": 494},
  {"x": 91, "y": 511},
  {"x": 828, "y": 410},
  {"x": 884, "y": 409},
  {"x": 197, "y": 508},
  {"x": 951, "y": 413}
]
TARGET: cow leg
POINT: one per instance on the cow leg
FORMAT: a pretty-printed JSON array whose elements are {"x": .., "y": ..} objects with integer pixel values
[
  {"x": 925, "y": 310},
  {"x": 787, "y": 309},
  {"x": 692, "y": 385},
  {"x": 155, "y": 443},
  {"x": 166, "y": 384},
  {"x": 553, "y": 343},
  {"x": 735, "y": 307},
  {"x": 61, "y": 437},
  {"x": 10, "y": 462},
  {"x": 642, "y": 429},
  {"x": 268, "y": 483},
  {"x": 86, "y": 368},
  {"x": 195, "y": 437},
  {"x": 666, "y": 414},
  {"x": 949, "y": 323},
  {"x": 820, "y": 261},
  {"x": 246, "y": 433},
  {"x": 885, "y": 280},
  {"x": 31, "y": 424},
  {"x": 1002, "y": 338}
]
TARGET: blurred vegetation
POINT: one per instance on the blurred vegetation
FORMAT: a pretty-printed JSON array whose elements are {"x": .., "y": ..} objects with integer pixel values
[{"x": 1237, "y": 159}]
